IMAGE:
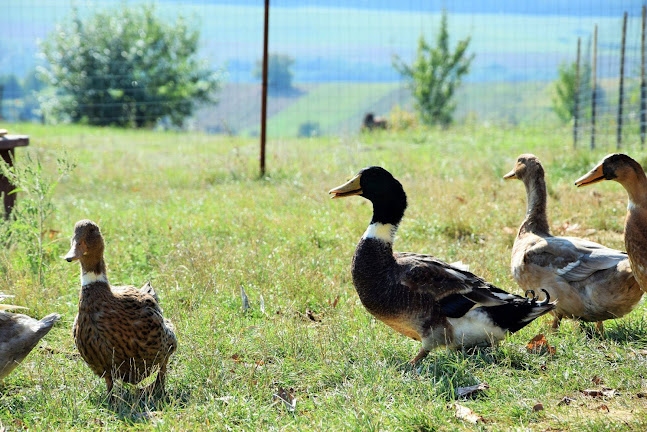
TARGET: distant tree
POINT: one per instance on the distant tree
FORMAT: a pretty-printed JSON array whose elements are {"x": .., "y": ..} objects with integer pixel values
[
  {"x": 125, "y": 67},
  {"x": 11, "y": 86},
  {"x": 309, "y": 129},
  {"x": 435, "y": 75},
  {"x": 563, "y": 101},
  {"x": 279, "y": 73},
  {"x": 32, "y": 84}
]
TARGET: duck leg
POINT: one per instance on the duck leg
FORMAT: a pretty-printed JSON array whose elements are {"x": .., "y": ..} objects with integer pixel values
[
  {"x": 421, "y": 354},
  {"x": 157, "y": 387},
  {"x": 556, "y": 322},
  {"x": 161, "y": 378},
  {"x": 599, "y": 326},
  {"x": 109, "y": 382}
]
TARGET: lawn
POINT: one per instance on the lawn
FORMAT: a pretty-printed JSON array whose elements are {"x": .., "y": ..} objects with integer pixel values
[{"x": 189, "y": 213}]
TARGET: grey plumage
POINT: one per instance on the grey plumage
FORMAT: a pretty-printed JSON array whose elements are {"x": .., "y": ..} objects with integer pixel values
[{"x": 19, "y": 334}]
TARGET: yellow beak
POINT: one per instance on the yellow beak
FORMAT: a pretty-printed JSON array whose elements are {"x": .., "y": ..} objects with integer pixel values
[
  {"x": 509, "y": 176},
  {"x": 350, "y": 188},
  {"x": 593, "y": 176}
]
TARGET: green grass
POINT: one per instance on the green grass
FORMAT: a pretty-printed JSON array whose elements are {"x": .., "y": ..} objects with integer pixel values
[
  {"x": 330, "y": 105},
  {"x": 189, "y": 213}
]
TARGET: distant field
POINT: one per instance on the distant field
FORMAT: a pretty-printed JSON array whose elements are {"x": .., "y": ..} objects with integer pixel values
[
  {"x": 188, "y": 212},
  {"x": 338, "y": 108}
]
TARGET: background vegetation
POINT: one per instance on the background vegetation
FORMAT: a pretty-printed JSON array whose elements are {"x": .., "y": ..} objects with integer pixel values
[
  {"x": 435, "y": 75},
  {"x": 189, "y": 213},
  {"x": 124, "y": 66}
]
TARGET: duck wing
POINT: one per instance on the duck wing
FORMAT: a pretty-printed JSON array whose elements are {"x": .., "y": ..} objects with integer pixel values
[
  {"x": 572, "y": 258},
  {"x": 456, "y": 290},
  {"x": 147, "y": 288}
]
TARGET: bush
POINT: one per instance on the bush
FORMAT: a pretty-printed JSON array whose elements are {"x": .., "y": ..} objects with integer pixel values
[
  {"x": 401, "y": 120},
  {"x": 26, "y": 224},
  {"x": 435, "y": 74},
  {"x": 124, "y": 67}
]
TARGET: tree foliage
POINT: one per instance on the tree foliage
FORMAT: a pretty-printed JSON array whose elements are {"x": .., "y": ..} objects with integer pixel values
[
  {"x": 435, "y": 74},
  {"x": 124, "y": 67},
  {"x": 564, "y": 98},
  {"x": 279, "y": 73},
  {"x": 11, "y": 87}
]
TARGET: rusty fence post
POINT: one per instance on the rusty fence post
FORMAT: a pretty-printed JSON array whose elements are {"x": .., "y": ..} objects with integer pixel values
[
  {"x": 622, "y": 82},
  {"x": 594, "y": 84},
  {"x": 264, "y": 91},
  {"x": 576, "y": 102}
]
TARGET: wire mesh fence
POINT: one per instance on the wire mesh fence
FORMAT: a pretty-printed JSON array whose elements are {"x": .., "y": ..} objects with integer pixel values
[{"x": 340, "y": 55}]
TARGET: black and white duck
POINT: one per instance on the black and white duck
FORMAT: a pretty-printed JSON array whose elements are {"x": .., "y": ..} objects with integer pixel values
[{"x": 418, "y": 295}]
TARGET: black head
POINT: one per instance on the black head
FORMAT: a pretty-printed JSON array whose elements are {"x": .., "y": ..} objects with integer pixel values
[{"x": 378, "y": 186}]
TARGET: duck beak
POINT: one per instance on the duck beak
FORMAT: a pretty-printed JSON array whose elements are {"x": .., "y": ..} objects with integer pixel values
[
  {"x": 593, "y": 176},
  {"x": 350, "y": 188},
  {"x": 509, "y": 176},
  {"x": 77, "y": 250}
]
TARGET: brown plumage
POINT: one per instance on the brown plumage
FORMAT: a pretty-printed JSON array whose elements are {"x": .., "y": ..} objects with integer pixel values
[
  {"x": 589, "y": 281},
  {"x": 119, "y": 331},
  {"x": 626, "y": 171}
]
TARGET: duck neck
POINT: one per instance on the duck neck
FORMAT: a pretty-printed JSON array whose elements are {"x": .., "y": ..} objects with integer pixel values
[
  {"x": 387, "y": 214},
  {"x": 636, "y": 190},
  {"x": 536, "y": 220},
  {"x": 93, "y": 270}
]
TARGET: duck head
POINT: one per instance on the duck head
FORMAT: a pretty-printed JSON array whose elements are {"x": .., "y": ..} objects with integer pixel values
[
  {"x": 86, "y": 245},
  {"x": 378, "y": 186},
  {"x": 617, "y": 166},
  {"x": 527, "y": 166}
]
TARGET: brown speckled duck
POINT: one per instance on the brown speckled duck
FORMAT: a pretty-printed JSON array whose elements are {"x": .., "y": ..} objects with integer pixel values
[
  {"x": 626, "y": 171},
  {"x": 418, "y": 295},
  {"x": 19, "y": 334},
  {"x": 589, "y": 281},
  {"x": 119, "y": 331}
]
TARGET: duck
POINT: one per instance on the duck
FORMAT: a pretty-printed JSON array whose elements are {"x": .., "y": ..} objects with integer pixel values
[
  {"x": 630, "y": 174},
  {"x": 19, "y": 334},
  {"x": 418, "y": 295},
  {"x": 120, "y": 331},
  {"x": 590, "y": 282}
]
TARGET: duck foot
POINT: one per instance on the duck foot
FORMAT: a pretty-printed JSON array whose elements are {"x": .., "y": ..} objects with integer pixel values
[
  {"x": 555, "y": 325},
  {"x": 421, "y": 354}
]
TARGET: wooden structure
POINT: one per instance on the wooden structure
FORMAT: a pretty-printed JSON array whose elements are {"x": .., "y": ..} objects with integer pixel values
[{"x": 7, "y": 145}]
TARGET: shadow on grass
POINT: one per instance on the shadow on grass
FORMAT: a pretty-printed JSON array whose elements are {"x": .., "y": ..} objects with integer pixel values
[
  {"x": 132, "y": 405},
  {"x": 623, "y": 331},
  {"x": 448, "y": 370}
]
